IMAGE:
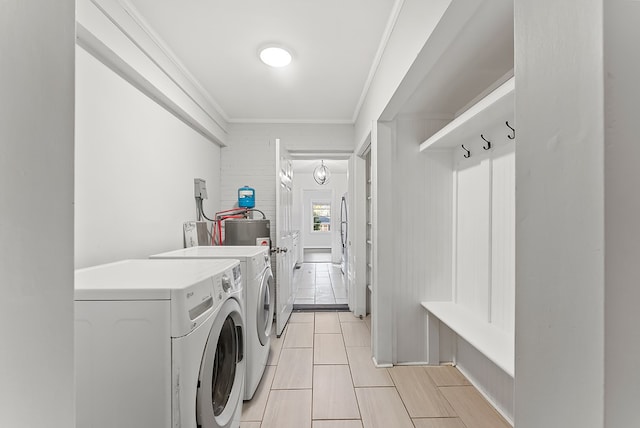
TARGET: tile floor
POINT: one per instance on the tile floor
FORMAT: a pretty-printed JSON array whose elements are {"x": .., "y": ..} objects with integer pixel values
[
  {"x": 320, "y": 375},
  {"x": 319, "y": 283}
]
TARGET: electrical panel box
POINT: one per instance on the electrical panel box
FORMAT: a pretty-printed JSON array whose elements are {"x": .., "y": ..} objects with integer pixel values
[{"x": 200, "y": 188}]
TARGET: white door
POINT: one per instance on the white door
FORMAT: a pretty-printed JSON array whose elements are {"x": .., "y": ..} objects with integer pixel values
[
  {"x": 285, "y": 259},
  {"x": 359, "y": 228}
]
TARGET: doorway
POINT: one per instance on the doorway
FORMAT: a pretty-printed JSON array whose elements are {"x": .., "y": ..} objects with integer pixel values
[{"x": 318, "y": 278}]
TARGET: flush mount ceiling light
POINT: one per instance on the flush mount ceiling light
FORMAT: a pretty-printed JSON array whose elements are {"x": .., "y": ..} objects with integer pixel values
[
  {"x": 321, "y": 174},
  {"x": 275, "y": 56}
]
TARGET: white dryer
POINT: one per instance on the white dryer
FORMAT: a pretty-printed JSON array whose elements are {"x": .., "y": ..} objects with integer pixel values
[
  {"x": 159, "y": 343},
  {"x": 258, "y": 284}
]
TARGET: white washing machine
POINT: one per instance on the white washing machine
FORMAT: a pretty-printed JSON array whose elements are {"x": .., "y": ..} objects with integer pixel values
[
  {"x": 159, "y": 343},
  {"x": 259, "y": 305}
]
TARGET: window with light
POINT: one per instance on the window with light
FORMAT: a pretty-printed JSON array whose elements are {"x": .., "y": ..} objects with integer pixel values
[{"x": 321, "y": 212}]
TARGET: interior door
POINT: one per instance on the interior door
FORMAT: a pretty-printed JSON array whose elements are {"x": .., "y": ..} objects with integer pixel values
[
  {"x": 284, "y": 239},
  {"x": 359, "y": 227}
]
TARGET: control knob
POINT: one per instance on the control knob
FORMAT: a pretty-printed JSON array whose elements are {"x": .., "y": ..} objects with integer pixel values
[{"x": 226, "y": 283}]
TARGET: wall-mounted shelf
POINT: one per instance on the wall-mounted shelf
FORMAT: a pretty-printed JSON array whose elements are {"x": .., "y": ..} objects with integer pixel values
[
  {"x": 492, "y": 108},
  {"x": 494, "y": 343}
]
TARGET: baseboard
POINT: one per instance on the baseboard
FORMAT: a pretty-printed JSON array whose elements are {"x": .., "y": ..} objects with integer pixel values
[{"x": 381, "y": 366}]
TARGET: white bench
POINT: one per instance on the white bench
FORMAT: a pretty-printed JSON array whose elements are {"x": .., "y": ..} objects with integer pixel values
[{"x": 488, "y": 339}]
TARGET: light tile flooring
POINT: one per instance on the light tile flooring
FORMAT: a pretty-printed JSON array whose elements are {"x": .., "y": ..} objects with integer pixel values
[
  {"x": 319, "y": 283},
  {"x": 320, "y": 375}
]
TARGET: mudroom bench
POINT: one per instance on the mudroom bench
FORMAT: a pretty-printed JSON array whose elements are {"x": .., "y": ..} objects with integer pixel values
[{"x": 488, "y": 339}]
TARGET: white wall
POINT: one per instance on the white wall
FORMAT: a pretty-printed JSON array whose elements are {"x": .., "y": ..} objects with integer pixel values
[
  {"x": 410, "y": 237},
  {"x": 36, "y": 213},
  {"x": 249, "y": 158},
  {"x": 135, "y": 165},
  {"x": 622, "y": 206},
  {"x": 304, "y": 184},
  {"x": 560, "y": 214},
  {"x": 114, "y": 32},
  {"x": 415, "y": 23}
]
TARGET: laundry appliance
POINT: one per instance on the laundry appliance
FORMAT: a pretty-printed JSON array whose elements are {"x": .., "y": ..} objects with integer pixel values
[
  {"x": 258, "y": 285},
  {"x": 247, "y": 232},
  {"x": 159, "y": 343}
]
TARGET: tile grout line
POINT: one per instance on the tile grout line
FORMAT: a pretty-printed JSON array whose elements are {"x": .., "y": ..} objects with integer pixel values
[
  {"x": 395, "y": 386},
  {"x": 445, "y": 397},
  {"x": 350, "y": 371}
]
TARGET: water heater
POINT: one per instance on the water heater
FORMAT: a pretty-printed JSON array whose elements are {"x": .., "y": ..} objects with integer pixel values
[{"x": 241, "y": 231}]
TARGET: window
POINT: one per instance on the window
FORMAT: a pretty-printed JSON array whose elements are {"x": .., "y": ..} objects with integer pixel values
[{"x": 321, "y": 212}]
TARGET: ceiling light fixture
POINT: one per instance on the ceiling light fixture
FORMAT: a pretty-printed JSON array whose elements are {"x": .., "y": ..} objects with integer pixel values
[
  {"x": 321, "y": 174},
  {"x": 275, "y": 56}
]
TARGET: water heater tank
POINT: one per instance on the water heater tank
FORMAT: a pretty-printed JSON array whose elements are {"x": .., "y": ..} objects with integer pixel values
[
  {"x": 240, "y": 231},
  {"x": 246, "y": 197}
]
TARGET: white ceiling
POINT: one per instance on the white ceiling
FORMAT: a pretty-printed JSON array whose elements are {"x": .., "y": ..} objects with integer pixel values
[{"x": 335, "y": 46}]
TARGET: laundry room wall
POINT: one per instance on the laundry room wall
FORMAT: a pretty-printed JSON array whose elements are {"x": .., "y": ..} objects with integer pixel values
[
  {"x": 36, "y": 213},
  {"x": 576, "y": 262},
  {"x": 622, "y": 243},
  {"x": 414, "y": 23},
  {"x": 114, "y": 31},
  {"x": 135, "y": 165},
  {"x": 249, "y": 157}
]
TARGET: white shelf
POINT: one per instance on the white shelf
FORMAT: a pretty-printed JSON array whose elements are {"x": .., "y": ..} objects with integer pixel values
[
  {"x": 494, "y": 343},
  {"x": 495, "y": 107}
]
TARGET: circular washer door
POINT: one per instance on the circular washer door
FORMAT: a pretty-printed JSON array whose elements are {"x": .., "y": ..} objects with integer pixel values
[
  {"x": 264, "y": 314},
  {"x": 222, "y": 369}
]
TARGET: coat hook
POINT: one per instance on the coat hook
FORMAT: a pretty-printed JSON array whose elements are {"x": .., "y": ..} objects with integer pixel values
[
  {"x": 511, "y": 137},
  {"x": 468, "y": 155},
  {"x": 488, "y": 146}
]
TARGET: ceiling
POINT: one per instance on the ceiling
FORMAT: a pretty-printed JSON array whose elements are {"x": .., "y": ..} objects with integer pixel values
[{"x": 335, "y": 44}]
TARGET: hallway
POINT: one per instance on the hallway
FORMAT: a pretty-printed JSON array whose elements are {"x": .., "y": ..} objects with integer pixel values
[
  {"x": 320, "y": 284},
  {"x": 320, "y": 375}
]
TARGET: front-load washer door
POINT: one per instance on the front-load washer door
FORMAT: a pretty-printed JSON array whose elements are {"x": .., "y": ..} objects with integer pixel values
[
  {"x": 264, "y": 314},
  {"x": 222, "y": 370}
]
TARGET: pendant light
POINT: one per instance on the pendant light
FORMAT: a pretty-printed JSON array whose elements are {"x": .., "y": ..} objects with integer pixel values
[{"x": 321, "y": 174}]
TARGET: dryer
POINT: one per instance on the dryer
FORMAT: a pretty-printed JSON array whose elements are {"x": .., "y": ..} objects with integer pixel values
[
  {"x": 255, "y": 264},
  {"x": 159, "y": 343}
]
